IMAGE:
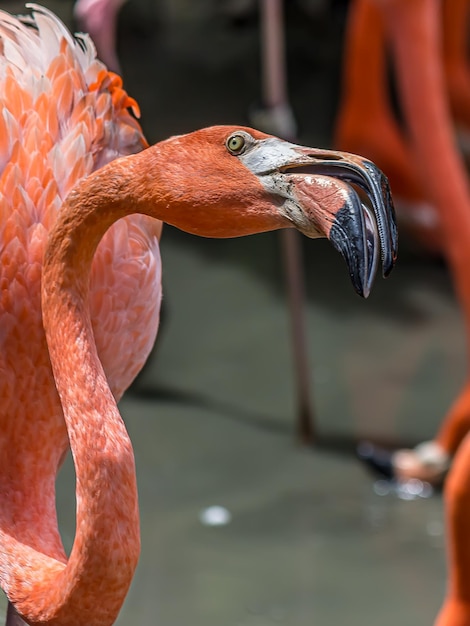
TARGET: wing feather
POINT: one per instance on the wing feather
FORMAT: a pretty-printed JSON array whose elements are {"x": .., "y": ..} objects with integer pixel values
[{"x": 63, "y": 115}]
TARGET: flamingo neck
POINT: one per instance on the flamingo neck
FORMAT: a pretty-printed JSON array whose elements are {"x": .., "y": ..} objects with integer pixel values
[{"x": 92, "y": 585}]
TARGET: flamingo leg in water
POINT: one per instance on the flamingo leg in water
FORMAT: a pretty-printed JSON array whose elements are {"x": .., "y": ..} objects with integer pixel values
[{"x": 280, "y": 121}]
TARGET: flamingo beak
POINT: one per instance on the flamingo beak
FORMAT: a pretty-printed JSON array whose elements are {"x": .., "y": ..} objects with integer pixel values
[{"x": 336, "y": 195}]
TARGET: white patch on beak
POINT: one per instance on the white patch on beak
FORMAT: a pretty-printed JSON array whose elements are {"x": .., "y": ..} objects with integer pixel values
[
  {"x": 265, "y": 159},
  {"x": 268, "y": 155}
]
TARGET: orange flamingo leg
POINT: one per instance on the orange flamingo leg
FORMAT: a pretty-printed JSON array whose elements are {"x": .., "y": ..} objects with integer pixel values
[
  {"x": 456, "y": 608},
  {"x": 366, "y": 123}
]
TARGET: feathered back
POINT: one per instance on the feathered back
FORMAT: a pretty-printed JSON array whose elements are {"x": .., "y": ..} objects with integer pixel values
[{"x": 62, "y": 114}]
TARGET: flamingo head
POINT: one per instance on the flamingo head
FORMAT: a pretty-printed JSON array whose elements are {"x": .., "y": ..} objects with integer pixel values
[{"x": 231, "y": 181}]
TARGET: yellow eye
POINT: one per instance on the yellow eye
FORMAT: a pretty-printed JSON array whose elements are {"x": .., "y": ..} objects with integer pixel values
[{"x": 235, "y": 144}]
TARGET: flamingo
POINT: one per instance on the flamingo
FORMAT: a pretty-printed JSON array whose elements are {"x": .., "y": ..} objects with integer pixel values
[
  {"x": 371, "y": 41},
  {"x": 99, "y": 18},
  {"x": 413, "y": 30},
  {"x": 431, "y": 35},
  {"x": 83, "y": 199}
]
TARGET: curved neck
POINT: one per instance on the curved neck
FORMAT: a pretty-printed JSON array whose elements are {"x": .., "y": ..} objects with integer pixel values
[{"x": 94, "y": 582}]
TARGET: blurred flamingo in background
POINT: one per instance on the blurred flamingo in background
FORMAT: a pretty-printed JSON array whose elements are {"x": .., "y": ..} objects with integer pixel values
[
  {"x": 366, "y": 97},
  {"x": 427, "y": 44},
  {"x": 80, "y": 293},
  {"x": 99, "y": 18}
]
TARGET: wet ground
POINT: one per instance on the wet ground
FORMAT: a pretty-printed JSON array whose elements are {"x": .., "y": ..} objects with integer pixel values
[{"x": 308, "y": 537}]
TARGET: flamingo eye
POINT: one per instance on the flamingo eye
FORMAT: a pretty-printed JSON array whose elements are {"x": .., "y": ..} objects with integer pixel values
[{"x": 236, "y": 144}]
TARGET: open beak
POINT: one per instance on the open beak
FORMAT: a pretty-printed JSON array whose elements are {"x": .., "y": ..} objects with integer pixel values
[{"x": 336, "y": 195}]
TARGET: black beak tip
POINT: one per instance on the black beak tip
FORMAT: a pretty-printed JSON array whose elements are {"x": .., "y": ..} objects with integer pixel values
[
  {"x": 345, "y": 235},
  {"x": 360, "y": 287},
  {"x": 360, "y": 237},
  {"x": 387, "y": 270}
]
